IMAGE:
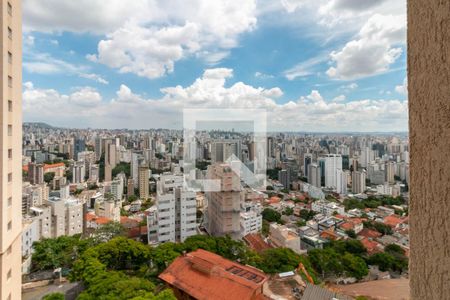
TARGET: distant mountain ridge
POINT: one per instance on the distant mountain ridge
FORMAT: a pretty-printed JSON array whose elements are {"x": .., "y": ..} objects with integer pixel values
[{"x": 37, "y": 125}]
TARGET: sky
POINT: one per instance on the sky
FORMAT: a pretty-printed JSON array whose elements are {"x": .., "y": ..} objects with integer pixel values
[{"x": 316, "y": 66}]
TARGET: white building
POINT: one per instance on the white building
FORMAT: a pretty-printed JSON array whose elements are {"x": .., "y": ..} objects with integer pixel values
[
  {"x": 333, "y": 162},
  {"x": 67, "y": 216},
  {"x": 175, "y": 217},
  {"x": 342, "y": 181},
  {"x": 358, "y": 182},
  {"x": 251, "y": 218},
  {"x": 327, "y": 208}
]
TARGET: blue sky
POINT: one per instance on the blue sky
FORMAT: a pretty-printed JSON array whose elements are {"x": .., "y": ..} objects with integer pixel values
[{"x": 336, "y": 65}]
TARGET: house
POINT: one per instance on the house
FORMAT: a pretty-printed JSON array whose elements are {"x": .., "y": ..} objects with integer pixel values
[
  {"x": 256, "y": 242},
  {"x": 282, "y": 236},
  {"x": 205, "y": 275},
  {"x": 371, "y": 246}
]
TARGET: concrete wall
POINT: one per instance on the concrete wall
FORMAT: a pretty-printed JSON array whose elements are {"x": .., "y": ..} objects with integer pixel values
[{"x": 429, "y": 109}]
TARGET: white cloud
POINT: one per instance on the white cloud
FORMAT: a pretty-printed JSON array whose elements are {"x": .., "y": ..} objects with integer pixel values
[
  {"x": 354, "y": 5},
  {"x": 339, "y": 98},
  {"x": 373, "y": 51},
  {"x": 305, "y": 68},
  {"x": 292, "y": 5},
  {"x": 309, "y": 113},
  {"x": 28, "y": 40},
  {"x": 261, "y": 75},
  {"x": 146, "y": 37},
  {"x": 45, "y": 64},
  {"x": 402, "y": 89},
  {"x": 94, "y": 77},
  {"x": 348, "y": 87}
]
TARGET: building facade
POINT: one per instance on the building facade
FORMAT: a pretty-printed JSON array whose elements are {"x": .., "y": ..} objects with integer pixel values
[{"x": 11, "y": 145}]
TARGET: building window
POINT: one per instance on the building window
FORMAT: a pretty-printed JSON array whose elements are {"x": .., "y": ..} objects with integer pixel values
[
  {"x": 8, "y": 276},
  {"x": 10, "y": 108},
  {"x": 9, "y": 57},
  {"x": 9, "y": 153},
  {"x": 9, "y": 250},
  {"x": 9, "y": 81},
  {"x": 9, "y": 225},
  {"x": 9, "y": 9},
  {"x": 10, "y": 177},
  {"x": 9, "y": 32},
  {"x": 10, "y": 130},
  {"x": 9, "y": 201}
]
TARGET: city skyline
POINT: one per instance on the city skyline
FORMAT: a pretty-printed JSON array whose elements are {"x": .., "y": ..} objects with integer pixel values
[{"x": 315, "y": 66}]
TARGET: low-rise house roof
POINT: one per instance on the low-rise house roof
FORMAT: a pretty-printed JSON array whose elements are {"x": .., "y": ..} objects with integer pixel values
[{"x": 205, "y": 275}]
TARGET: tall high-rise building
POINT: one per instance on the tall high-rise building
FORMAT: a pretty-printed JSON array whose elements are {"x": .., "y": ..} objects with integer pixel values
[
  {"x": 224, "y": 206},
  {"x": 221, "y": 150},
  {"x": 98, "y": 148},
  {"x": 284, "y": 176},
  {"x": 390, "y": 171},
  {"x": 11, "y": 145},
  {"x": 176, "y": 216},
  {"x": 333, "y": 162},
  {"x": 342, "y": 181},
  {"x": 314, "y": 175},
  {"x": 144, "y": 189},
  {"x": 307, "y": 160},
  {"x": 358, "y": 182},
  {"x": 35, "y": 173},
  {"x": 79, "y": 145},
  {"x": 110, "y": 160}
]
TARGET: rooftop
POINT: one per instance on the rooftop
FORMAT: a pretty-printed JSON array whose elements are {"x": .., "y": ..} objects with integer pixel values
[{"x": 205, "y": 275}]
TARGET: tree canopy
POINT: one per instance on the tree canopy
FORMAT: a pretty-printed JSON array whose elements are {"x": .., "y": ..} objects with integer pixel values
[{"x": 271, "y": 215}]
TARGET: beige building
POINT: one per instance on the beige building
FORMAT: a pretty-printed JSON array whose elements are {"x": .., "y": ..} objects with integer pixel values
[
  {"x": 11, "y": 145},
  {"x": 224, "y": 206},
  {"x": 281, "y": 236},
  {"x": 144, "y": 190}
]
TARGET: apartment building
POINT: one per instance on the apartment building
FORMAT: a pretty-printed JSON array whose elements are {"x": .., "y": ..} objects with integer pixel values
[
  {"x": 11, "y": 145},
  {"x": 174, "y": 217},
  {"x": 66, "y": 216},
  {"x": 327, "y": 208},
  {"x": 251, "y": 218},
  {"x": 144, "y": 188},
  {"x": 224, "y": 208},
  {"x": 282, "y": 236}
]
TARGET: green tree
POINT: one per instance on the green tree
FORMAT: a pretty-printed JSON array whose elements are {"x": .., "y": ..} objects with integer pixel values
[
  {"x": 50, "y": 254},
  {"x": 107, "y": 232},
  {"x": 48, "y": 177},
  {"x": 354, "y": 266},
  {"x": 306, "y": 214},
  {"x": 122, "y": 167},
  {"x": 288, "y": 211},
  {"x": 69, "y": 175},
  {"x": 380, "y": 227},
  {"x": 351, "y": 233},
  {"x": 54, "y": 296},
  {"x": 271, "y": 215}
]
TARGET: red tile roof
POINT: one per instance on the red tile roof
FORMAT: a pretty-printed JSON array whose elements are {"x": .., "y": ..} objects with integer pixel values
[
  {"x": 346, "y": 226},
  {"x": 393, "y": 220},
  {"x": 329, "y": 235},
  {"x": 274, "y": 199},
  {"x": 256, "y": 242},
  {"x": 205, "y": 275},
  {"x": 102, "y": 220},
  {"x": 46, "y": 166},
  {"x": 137, "y": 231},
  {"x": 369, "y": 233},
  {"x": 371, "y": 246}
]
